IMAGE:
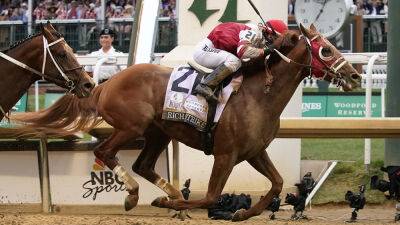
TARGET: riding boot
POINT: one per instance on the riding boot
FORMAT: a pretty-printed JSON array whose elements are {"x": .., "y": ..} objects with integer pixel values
[{"x": 208, "y": 84}]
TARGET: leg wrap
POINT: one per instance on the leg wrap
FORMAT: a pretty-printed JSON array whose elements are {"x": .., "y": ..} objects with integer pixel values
[
  {"x": 168, "y": 188},
  {"x": 128, "y": 180}
]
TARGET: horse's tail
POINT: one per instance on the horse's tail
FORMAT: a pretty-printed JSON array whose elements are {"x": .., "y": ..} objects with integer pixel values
[{"x": 66, "y": 116}]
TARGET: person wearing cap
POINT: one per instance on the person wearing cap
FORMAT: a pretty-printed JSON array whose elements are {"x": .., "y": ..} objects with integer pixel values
[
  {"x": 107, "y": 70},
  {"x": 227, "y": 46}
]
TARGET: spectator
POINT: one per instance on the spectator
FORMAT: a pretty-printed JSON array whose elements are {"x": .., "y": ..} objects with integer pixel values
[
  {"x": 107, "y": 50},
  {"x": 168, "y": 8},
  {"x": 290, "y": 7},
  {"x": 97, "y": 10},
  {"x": 61, "y": 11},
  {"x": 4, "y": 15},
  {"x": 360, "y": 7},
  {"x": 51, "y": 11},
  {"x": 90, "y": 13},
  {"x": 128, "y": 11},
  {"x": 117, "y": 12},
  {"x": 15, "y": 14},
  {"x": 24, "y": 12},
  {"x": 81, "y": 11},
  {"x": 73, "y": 12},
  {"x": 373, "y": 8},
  {"x": 39, "y": 12}
]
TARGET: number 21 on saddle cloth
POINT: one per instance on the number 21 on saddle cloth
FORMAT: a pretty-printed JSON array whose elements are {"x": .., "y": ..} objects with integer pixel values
[{"x": 181, "y": 105}]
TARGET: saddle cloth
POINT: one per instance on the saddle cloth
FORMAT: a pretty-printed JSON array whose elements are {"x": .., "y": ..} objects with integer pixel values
[{"x": 181, "y": 105}]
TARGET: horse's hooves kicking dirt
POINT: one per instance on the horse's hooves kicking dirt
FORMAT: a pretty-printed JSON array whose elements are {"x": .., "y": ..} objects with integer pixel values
[
  {"x": 158, "y": 202},
  {"x": 131, "y": 202},
  {"x": 182, "y": 215},
  {"x": 239, "y": 215}
]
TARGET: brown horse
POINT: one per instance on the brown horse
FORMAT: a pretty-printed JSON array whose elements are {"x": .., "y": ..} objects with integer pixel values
[
  {"x": 132, "y": 103},
  {"x": 24, "y": 63}
]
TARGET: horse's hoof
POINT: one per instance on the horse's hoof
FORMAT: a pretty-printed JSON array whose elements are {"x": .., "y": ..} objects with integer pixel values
[
  {"x": 182, "y": 215},
  {"x": 239, "y": 215},
  {"x": 131, "y": 202},
  {"x": 158, "y": 202}
]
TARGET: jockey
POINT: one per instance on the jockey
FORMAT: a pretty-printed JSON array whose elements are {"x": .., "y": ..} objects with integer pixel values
[{"x": 227, "y": 45}]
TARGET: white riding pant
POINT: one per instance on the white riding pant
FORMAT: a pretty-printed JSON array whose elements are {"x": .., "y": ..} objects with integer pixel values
[{"x": 208, "y": 56}]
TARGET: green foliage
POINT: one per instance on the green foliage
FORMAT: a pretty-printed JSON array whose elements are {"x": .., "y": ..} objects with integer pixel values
[
  {"x": 350, "y": 172},
  {"x": 31, "y": 103}
]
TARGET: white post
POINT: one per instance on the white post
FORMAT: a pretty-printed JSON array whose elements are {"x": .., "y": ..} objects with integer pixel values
[
  {"x": 37, "y": 96},
  {"x": 30, "y": 10},
  {"x": 383, "y": 101},
  {"x": 321, "y": 181},
  {"x": 103, "y": 13},
  {"x": 368, "y": 97}
]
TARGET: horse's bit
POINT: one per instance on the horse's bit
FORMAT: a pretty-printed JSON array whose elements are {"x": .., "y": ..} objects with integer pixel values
[{"x": 46, "y": 48}]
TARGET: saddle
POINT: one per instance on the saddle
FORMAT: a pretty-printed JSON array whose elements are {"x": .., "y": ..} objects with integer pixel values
[{"x": 183, "y": 105}]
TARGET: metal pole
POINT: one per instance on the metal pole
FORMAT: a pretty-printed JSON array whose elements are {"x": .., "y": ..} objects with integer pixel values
[
  {"x": 30, "y": 9},
  {"x": 103, "y": 13},
  {"x": 392, "y": 146},
  {"x": 44, "y": 175},
  {"x": 175, "y": 164},
  {"x": 135, "y": 32},
  {"x": 37, "y": 96},
  {"x": 368, "y": 101},
  {"x": 383, "y": 102}
]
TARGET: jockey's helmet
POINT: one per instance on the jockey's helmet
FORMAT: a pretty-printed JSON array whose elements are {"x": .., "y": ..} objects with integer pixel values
[{"x": 277, "y": 26}]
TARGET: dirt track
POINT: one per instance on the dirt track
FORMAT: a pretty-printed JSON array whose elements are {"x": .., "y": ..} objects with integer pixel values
[{"x": 318, "y": 215}]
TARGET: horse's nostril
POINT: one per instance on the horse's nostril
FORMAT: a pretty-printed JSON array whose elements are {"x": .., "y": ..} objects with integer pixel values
[
  {"x": 89, "y": 85},
  {"x": 355, "y": 76}
]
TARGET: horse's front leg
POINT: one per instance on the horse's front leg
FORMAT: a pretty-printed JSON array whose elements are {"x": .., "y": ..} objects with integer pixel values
[
  {"x": 263, "y": 164},
  {"x": 106, "y": 152},
  {"x": 222, "y": 168},
  {"x": 156, "y": 142}
]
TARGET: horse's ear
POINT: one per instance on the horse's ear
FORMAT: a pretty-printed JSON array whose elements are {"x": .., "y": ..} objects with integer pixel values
[
  {"x": 305, "y": 31},
  {"x": 290, "y": 40},
  {"x": 49, "y": 26},
  {"x": 313, "y": 28}
]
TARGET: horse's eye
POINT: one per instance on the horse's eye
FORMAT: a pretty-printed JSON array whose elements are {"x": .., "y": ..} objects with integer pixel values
[
  {"x": 326, "y": 52},
  {"x": 63, "y": 55}
]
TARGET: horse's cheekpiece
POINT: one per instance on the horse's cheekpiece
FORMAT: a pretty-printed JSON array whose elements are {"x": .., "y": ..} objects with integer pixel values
[{"x": 181, "y": 105}]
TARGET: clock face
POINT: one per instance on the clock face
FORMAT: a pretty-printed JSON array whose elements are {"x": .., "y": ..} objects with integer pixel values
[{"x": 328, "y": 16}]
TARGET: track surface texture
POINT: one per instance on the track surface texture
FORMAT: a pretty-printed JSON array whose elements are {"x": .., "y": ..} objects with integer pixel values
[{"x": 375, "y": 214}]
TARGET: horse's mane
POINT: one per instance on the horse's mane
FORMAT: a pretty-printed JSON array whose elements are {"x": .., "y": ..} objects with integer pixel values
[
  {"x": 15, "y": 44},
  {"x": 29, "y": 37},
  {"x": 284, "y": 44}
]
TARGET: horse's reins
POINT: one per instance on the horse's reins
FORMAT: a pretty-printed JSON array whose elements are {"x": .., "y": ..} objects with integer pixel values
[
  {"x": 46, "y": 48},
  {"x": 336, "y": 66}
]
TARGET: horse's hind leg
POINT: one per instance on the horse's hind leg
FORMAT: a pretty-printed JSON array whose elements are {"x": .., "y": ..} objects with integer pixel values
[
  {"x": 106, "y": 152},
  {"x": 222, "y": 168},
  {"x": 156, "y": 142},
  {"x": 263, "y": 164}
]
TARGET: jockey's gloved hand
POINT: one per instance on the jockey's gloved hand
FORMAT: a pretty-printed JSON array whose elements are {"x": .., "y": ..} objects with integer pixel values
[{"x": 268, "y": 49}]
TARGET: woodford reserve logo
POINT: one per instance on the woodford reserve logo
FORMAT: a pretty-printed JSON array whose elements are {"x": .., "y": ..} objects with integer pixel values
[
  {"x": 101, "y": 180},
  {"x": 199, "y": 8}
]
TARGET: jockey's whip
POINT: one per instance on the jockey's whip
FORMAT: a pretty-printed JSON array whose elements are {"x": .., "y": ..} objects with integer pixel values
[{"x": 255, "y": 9}]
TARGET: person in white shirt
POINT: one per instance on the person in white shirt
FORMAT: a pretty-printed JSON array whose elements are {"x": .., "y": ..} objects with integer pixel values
[{"x": 108, "y": 69}]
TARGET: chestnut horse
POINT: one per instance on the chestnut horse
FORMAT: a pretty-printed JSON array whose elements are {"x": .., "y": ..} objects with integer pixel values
[
  {"x": 132, "y": 102},
  {"x": 25, "y": 62}
]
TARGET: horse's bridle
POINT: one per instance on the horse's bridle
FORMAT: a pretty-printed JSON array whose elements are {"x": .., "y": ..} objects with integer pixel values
[
  {"x": 46, "y": 48},
  {"x": 318, "y": 62}
]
